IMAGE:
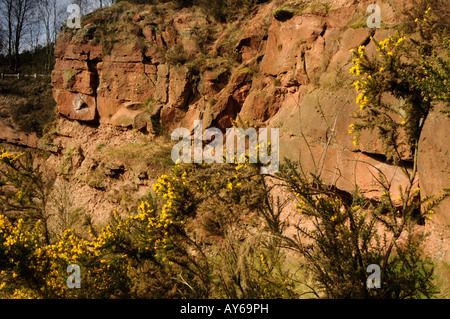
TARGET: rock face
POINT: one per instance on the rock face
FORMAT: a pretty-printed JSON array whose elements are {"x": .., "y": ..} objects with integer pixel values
[
  {"x": 13, "y": 135},
  {"x": 434, "y": 162},
  {"x": 74, "y": 79},
  {"x": 292, "y": 75}
]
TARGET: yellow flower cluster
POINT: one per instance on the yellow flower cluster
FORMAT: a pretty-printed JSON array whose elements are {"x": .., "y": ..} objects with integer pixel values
[
  {"x": 69, "y": 248},
  {"x": 47, "y": 264},
  {"x": 426, "y": 16},
  {"x": 431, "y": 203},
  {"x": 7, "y": 158},
  {"x": 357, "y": 69},
  {"x": 235, "y": 181},
  {"x": 330, "y": 208},
  {"x": 13, "y": 238},
  {"x": 388, "y": 45},
  {"x": 21, "y": 246},
  {"x": 362, "y": 100},
  {"x": 109, "y": 235},
  {"x": 350, "y": 128},
  {"x": 171, "y": 189},
  {"x": 266, "y": 277},
  {"x": 158, "y": 240},
  {"x": 387, "y": 48},
  {"x": 359, "y": 55}
]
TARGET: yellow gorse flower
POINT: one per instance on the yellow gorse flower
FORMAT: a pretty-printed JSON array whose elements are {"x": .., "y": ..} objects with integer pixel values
[{"x": 7, "y": 158}]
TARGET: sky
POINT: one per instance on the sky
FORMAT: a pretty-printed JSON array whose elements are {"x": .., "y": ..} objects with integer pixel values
[{"x": 35, "y": 30}]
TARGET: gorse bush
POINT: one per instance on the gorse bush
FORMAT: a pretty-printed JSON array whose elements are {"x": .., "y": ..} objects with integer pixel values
[
  {"x": 341, "y": 234},
  {"x": 33, "y": 269},
  {"x": 25, "y": 190},
  {"x": 33, "y": 261},
  {"x": 399, "y": 90},
  {"x": 161, "y": 251},
  {"x": 215, "y": 231}
]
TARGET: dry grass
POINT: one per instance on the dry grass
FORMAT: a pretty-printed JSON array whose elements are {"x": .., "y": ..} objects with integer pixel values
[
  {"x": 143, "y": 156},
  {"x": 442, "y": 280},
  {"x": 29, "y": 104}
]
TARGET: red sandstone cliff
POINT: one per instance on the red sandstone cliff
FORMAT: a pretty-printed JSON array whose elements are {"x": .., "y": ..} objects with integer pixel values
[{"x": 137, "y": 67}]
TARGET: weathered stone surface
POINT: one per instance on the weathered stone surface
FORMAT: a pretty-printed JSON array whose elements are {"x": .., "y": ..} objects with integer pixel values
[
  {"x": 255, "y": 33},
  {"x": 76, "y": 106},
  {"x": 162, "y": 84},
  {"x": 180, "y": 88},
  {"x": 73, "y": 49},
  {"x": 13, "y": 135},
  {"x": 230, "y": 100},
  {"x": 434, "y": 162},
  {"x": 170, "y": 117},
  {"x": 286, "y": 40},
  {"x": 186, "y": 25},
  {"x": 124, "y": 81},
  {"x": 124, "y": 52},
  {"x": 263, "y": 104},
  {"x": 124, "y": 117},
  {"x": 343, "y": 168}
]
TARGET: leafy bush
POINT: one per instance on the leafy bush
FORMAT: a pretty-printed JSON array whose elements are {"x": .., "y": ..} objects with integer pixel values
[
  {"x": 28, "y": 191},
  {"x": 412, "y": 71},
  {"x": 214, "y": 231},
  {"x": 161, "y": 251},
  {"x": 341, "y": 234}
]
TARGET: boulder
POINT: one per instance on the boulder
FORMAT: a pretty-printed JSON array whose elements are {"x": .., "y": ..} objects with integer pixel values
[
  {"x": 76, "y": 106},
  {"x": 126, "y": 114},
  {"x": 13, "y": 135},
  {"x": 180, "y": 88}
]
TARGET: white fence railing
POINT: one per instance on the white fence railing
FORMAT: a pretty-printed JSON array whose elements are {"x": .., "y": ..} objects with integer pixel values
[{"x": 19, "y": 76}]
